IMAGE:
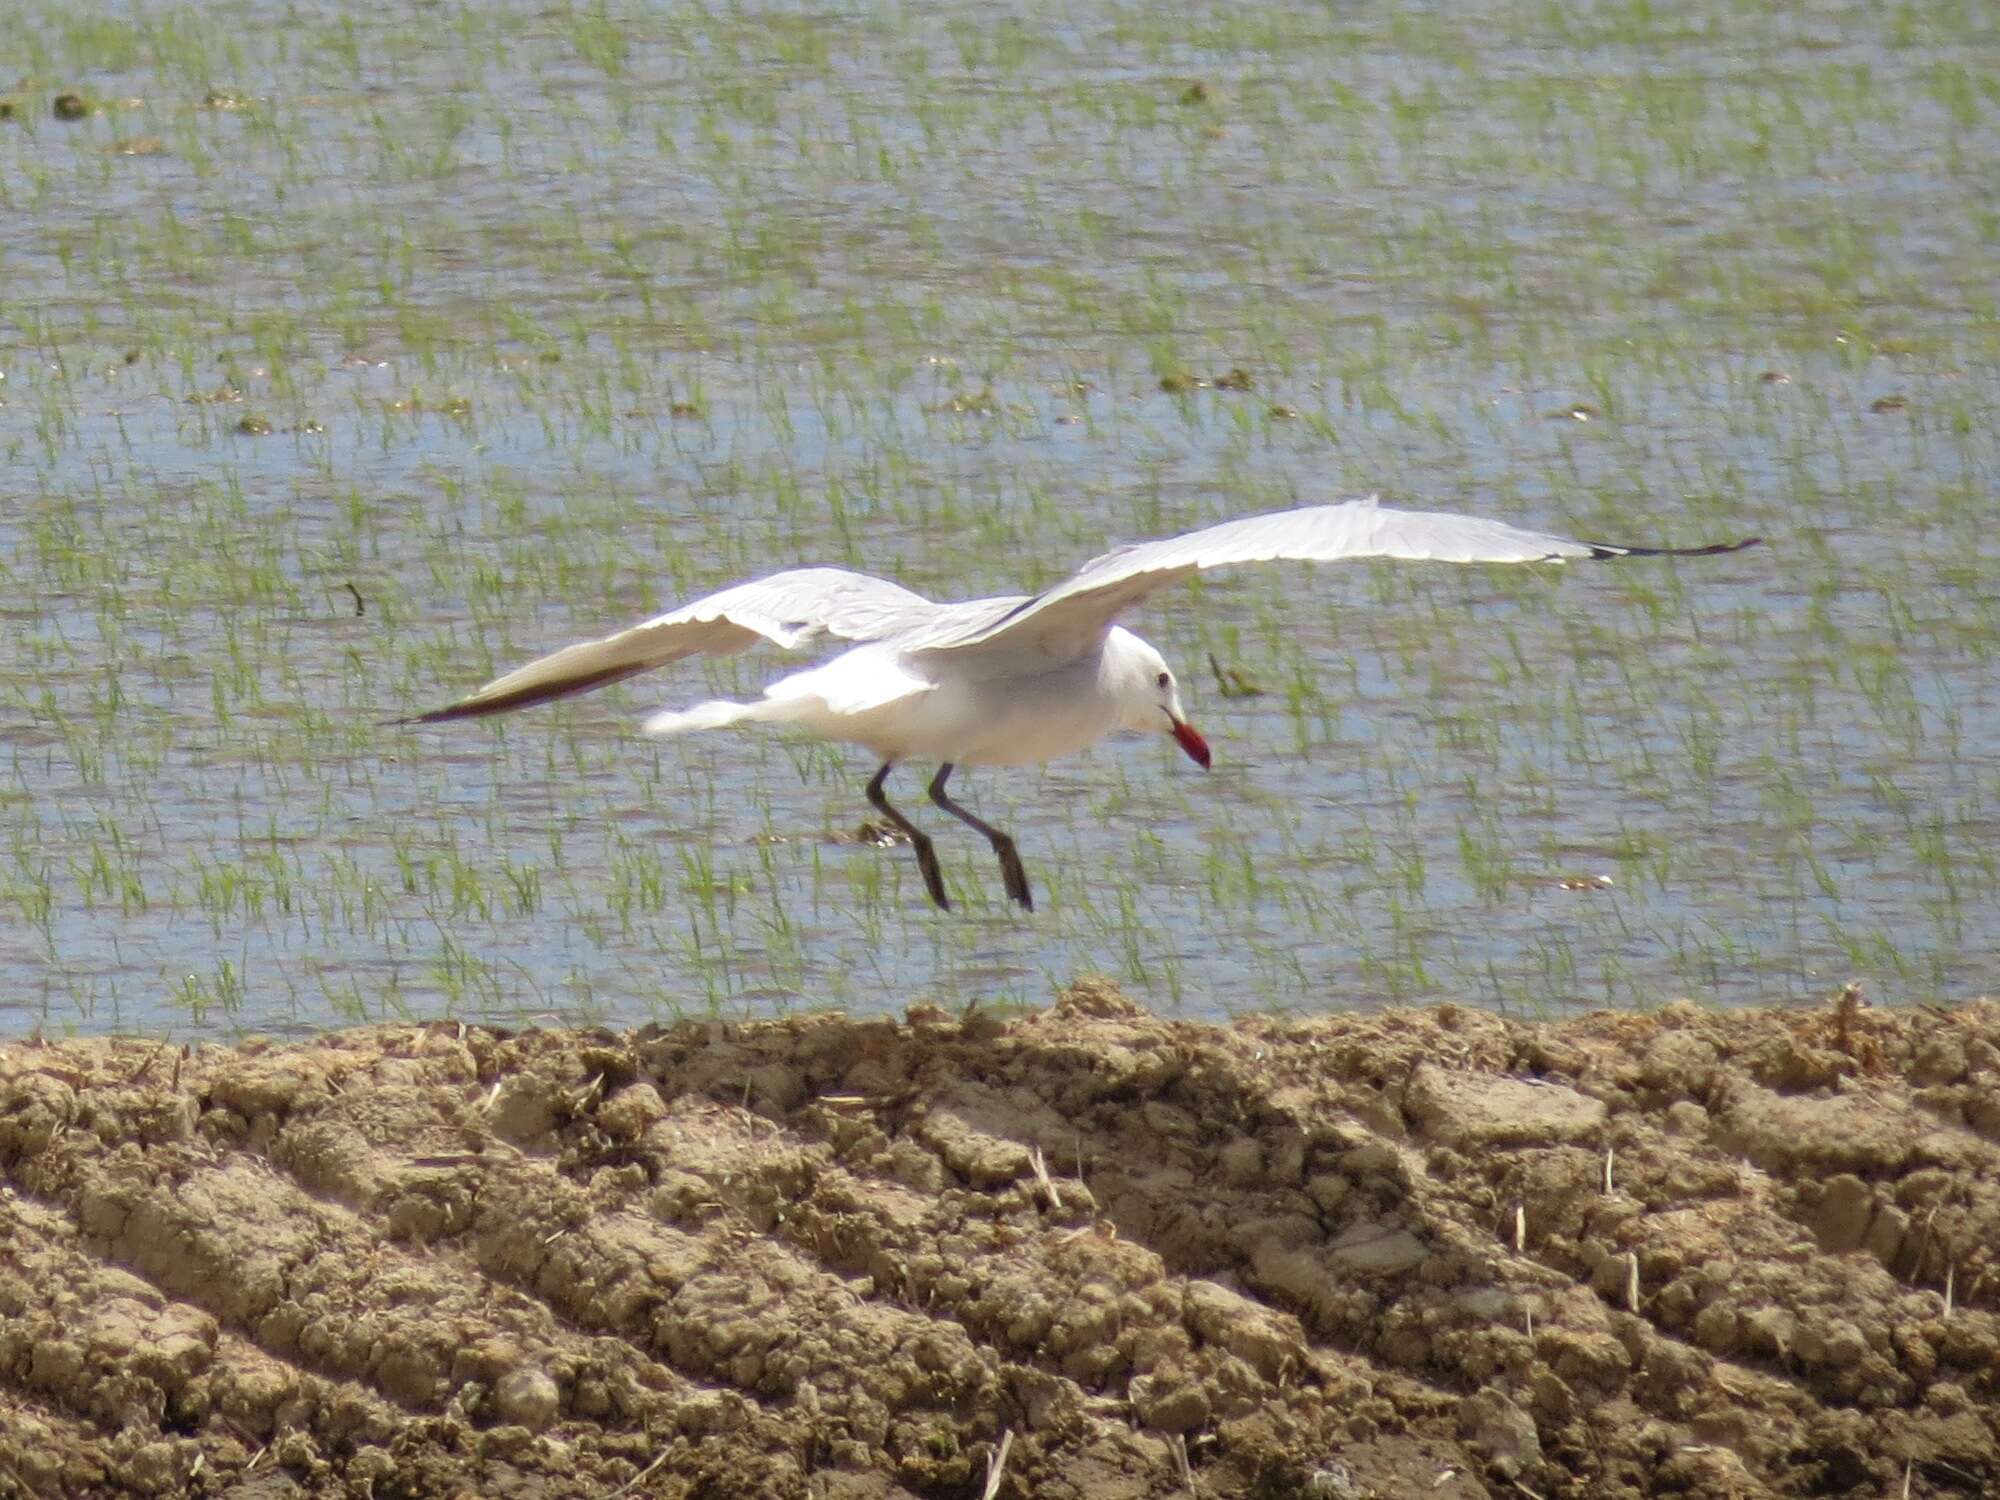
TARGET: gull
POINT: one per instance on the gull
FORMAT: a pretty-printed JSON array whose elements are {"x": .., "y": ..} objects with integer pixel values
[{"x": 1007, "y": 681}]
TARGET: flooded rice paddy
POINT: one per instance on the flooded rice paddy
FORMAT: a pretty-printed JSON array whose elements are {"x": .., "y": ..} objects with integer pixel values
[{"x": 350, "y": 358}]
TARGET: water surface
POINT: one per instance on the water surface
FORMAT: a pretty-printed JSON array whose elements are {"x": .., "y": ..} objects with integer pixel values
[{"x": 350, "y": 359}]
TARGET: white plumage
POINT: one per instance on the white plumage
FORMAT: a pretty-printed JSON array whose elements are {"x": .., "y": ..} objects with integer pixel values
[{"x": 1004, "y": 681}]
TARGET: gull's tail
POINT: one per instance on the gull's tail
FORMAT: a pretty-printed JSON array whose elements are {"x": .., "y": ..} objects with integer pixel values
[
  {"x": 825, "y": 699},
  {"x": 719, "y": 713}
]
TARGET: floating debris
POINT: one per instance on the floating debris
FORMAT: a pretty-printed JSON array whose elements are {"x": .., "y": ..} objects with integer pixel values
[
  {"x": 1584, "y": 882},
  {"x": 452, "y": 406},
  {"x": 980, "y": 403},
  {"x": 869, "y": 832},
  {"x": 873, "y": 834}
]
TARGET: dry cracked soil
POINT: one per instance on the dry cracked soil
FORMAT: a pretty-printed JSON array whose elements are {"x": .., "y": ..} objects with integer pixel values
[{"x": 1085, "y": 1252}]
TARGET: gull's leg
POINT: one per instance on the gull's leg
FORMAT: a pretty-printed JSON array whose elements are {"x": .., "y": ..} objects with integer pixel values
[
  {"x": 919, "y": 840},
  {"x": 1011, "y": 874}
]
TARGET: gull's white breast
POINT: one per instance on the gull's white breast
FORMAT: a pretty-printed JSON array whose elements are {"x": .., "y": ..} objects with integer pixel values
[{"x": 967, "y": 713}]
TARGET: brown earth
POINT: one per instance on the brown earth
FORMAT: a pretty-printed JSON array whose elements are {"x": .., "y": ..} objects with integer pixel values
[{"x": 1345, "y": 1257}]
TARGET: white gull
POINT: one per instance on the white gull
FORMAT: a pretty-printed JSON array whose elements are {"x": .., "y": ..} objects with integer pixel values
[{"x": 997, "y": 682}]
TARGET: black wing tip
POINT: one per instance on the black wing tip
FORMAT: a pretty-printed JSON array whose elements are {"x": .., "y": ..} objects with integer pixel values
[
  {"x": 434, "y": 716},
  {"x": 440, "y": 715},
  {"x": 1602, "y": 551},
  {"x": 479, "y": 708}
]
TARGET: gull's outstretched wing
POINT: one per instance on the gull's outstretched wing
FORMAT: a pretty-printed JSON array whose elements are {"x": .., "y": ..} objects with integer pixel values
[
  {"x": 792, "y": 609},
  {"x": 1064, "y": 620}
]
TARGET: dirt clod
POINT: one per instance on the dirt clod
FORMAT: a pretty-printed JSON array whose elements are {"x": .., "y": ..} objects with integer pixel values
[{"x": 1434, "y": 1253}]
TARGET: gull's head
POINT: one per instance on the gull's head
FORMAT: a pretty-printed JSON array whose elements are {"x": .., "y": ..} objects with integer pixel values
[{"x": 1151, "y": 697}]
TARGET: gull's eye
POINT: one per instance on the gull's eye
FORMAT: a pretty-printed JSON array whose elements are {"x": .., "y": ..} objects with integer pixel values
[{"x": 1165, "y": 680}]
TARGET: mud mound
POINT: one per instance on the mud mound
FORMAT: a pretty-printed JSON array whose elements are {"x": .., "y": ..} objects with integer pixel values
[{"x": 1436, "y": 1254}]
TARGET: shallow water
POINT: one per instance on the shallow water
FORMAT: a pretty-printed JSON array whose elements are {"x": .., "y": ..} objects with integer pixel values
[{"x": 556, "y": 316}]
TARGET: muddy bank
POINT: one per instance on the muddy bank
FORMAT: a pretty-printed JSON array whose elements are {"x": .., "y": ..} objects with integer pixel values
[{"x": 1424, "y": 1253}]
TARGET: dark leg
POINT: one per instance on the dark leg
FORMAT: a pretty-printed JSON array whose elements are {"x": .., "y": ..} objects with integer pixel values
[
  {"x": 1011, "y": 873},
  {"x": 919, "y": 840}
]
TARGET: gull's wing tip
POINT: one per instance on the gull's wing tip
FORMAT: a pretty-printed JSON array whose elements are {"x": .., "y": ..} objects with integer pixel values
[
  {"x": 1603, "y": 550},
  {"x": 459, "y": 710},
  {"x": 485, "y": 703},
  {"x": 430, "y": 716}
]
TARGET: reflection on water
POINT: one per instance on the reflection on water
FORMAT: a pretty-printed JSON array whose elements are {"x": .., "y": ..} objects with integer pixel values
[{"x": 424, "y": 345}]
